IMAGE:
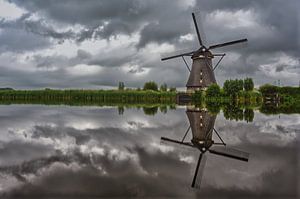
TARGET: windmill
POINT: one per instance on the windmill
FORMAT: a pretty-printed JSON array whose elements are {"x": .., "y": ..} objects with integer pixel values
[
  {"x": 202, "y": 127},
  {"x": 202, "y": 71}
]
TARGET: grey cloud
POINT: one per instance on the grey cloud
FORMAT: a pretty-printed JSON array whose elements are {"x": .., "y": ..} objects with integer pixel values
[
  {"x": 83, "y": 54},
  {"x": 16, "y": 41},
  {"x": 115, "y": 17},
  {"x": 22, "y": 151},
  {"x": 280, "y": 68},
  {"x": 86, "y": 182},
  {"x": 274, "y": 32},
  {"x": 38, "y": 28}
]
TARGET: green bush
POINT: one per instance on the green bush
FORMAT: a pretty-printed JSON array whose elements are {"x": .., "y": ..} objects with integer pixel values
[
  {"x": 163, "y": 87},
  {"x": 213, "y": 91},
  {"x": 151, "y": 86},
  {"x": 248, "y": 84}
]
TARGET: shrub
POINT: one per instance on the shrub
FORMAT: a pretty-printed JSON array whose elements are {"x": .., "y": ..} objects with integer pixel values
[
  {"x": 248, "y": 84},
  {"x": 150, "y": 86},
  {"x": 163, "y": 87},
  {"x": 213, "y": 91}
]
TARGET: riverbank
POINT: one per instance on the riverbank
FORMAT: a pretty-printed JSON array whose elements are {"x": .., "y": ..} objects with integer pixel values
[
  {"x": 268, "y": 99},
  {"x": 49, "y": 96}
]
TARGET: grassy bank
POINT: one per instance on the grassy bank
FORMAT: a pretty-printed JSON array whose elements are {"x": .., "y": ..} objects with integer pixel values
[
  {"x": 280, "y": 99},
  {"x": 96, "y": 97},
  {"x": 269, "y": 99}
]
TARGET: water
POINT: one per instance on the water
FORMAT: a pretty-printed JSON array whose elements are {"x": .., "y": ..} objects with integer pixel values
[{"x": 93, "y": 152}]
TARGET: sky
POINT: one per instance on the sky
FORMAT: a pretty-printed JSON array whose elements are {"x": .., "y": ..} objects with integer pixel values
[{"x": 98, "y": 43}]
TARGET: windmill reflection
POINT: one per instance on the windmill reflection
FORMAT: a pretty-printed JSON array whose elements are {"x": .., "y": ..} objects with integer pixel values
[{"x": 202, "y": 127}]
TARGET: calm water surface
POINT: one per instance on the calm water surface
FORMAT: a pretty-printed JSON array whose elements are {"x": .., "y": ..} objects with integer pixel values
[{"x": 92, "y": 152}]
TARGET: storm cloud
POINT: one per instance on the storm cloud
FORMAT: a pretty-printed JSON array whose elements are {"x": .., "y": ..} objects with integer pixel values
[{"x": 98, "y": 43}]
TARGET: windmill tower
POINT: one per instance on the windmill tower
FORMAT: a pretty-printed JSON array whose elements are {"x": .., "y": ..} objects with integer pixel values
[
  {"x": 202, "y": 127},
  {"x": 202, "y": 72}
]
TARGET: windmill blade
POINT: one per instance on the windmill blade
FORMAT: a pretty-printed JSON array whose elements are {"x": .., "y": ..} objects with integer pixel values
[
  {"x": 171, "y": 141},
  {"x": 179, "y": 55},
  {"x": 230, "y": 153},
  {"x": 197, "y": 29},
  {"x": 199, "y": 172},
  {"x": 227, "y": 43}
]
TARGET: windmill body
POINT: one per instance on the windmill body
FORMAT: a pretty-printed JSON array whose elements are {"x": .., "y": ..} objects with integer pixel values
[
  {"x": 202, "y": 74},
  {"x": 202, "y": 125}
]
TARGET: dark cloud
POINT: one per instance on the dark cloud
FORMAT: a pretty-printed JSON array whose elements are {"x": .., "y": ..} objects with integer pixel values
[
  {"x": 18, "y": 151},
  {"x": 272, "y": 35},
  {"x": 107, "y": 19},
  {"x": 16, "y": 41}
]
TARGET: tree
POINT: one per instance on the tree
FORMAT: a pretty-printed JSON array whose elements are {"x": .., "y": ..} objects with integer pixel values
[
  {"x": 268, "y": 89},
  {"x": 172, "y": 89},
  {"x": 248, "y": 115},
  {"x": 213, "y": 91},
  {"x": 121, "y": 110},
  {"x": 232, "y": 87},
  {"x": 121, "y": 86},
  {"x": 226, "y": 87},
  {"x": 150, "y": 86},
  {"x": 248, "y": 84},
  {"x": 150, "y": 110},
  {"x": 163, "y": 87},
  {"x": 240, "y": 84}
]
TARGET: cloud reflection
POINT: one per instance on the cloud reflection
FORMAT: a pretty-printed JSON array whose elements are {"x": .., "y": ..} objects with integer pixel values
[{"x": 43, "y": 154}]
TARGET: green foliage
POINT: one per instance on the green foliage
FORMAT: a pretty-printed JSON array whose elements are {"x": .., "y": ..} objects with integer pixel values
[
  {"x": 86, "y": 96},
  {"x": 163, "y": 87},
  {"x": 248, "y": 84},
  {"x": 233, "y": 113},
  {"x": 121, "y": 86},
  {"x": 233, "y": 87},
  {"x": 172, "y": 89},
  {"x": 163, "y": 109},
  {"x": 150, "y": 86},
  {"x": 268, "y": 89},
  {"x": 248, "y": 115},
  {"x": 197, "y": 97},
  {"x": 280, "y": 99},
  {"x": 121, "y": 110},
  {"x": 150, "y": 110},
  {"x": 213, "y": 91},
  {"x": 213, "y": 107}
]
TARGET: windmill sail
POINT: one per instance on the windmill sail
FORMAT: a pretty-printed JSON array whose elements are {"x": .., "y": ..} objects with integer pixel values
[
  {"x": 198, "y": 176},
  {"x": 197, "y": 29},
  {"x": 228, "y": 43},
  {"x": 230, "y": 153},
  {"x": 177, "y": 55},
  {"x": 176, "y": 143}
]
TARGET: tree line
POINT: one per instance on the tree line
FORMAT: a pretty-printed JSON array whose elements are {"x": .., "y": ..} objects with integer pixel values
[
  {"x": 230, "y": 88},
  {"x": 151, "y": 85}
]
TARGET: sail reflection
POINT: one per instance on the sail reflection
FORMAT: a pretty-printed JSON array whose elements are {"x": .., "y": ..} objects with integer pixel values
[{"x": 202, "y": 127}]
